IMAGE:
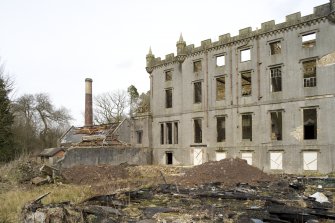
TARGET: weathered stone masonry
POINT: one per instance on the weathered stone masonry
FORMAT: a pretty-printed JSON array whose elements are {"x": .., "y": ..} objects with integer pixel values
[{"x": 266, "y": 96}]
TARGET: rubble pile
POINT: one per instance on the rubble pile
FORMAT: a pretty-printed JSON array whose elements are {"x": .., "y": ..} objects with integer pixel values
[{"x": 227, "y": 171}]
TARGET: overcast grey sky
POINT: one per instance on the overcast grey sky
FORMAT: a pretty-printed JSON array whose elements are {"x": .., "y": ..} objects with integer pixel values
[{"x": 51, "y": 46}]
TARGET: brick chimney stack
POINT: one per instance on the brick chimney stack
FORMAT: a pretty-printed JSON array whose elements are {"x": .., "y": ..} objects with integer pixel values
[{"x": 88, "y": 103}]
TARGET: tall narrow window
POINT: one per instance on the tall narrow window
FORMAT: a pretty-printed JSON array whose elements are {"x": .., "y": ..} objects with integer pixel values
[
  {"x": 168, "y": 98},
  {"x": 197, "y": 67},
  {"x": 162, "y": 133},
  {"x": 169, "y": 158},
  {"x": 276, "y": 125},
  {"x": 221, "y": 129},
  {"x": 247, "y": 127},
  {"x": 220, "y": 88},
  {"x": 275, "y": 48},
  {"x": 197, "y": 131},
  {"x": 275, "y": 79},
  {"x": 197, "y": 92},
  {"x": 309, "y": 68},
  {"x": 220, "y": 61},
  {"x": 175, "y": 133},
  {"x": 246, "y": 83},
  {"x": 169, "y": 133},
  {"x": 308, "y": 40},
  {"x": 245, "y": 55},
  {"x": 310, "y": 123},
  {"x": 139, "y": 136},
  {"x": 168, "y": 75}
]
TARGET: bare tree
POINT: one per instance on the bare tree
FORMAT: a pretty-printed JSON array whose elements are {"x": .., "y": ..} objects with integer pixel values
[{"x": 110, "y": 107}]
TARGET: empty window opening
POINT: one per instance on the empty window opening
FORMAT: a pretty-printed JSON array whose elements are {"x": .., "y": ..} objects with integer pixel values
[
  {"x": 197, "y": 92},
  {"x": 310, "y": 124},
  {"x": 197, "y": 131},
  {"x": 168, "y": 98},
  {"x": 220, "y": 88},
  {"x": 139, "y": 136},
  {"x": 245, "y": 55},
  {"x": 162, "y": 133},
  {"x": 275, "y": 79},
  {"x": 197, "y": 67},
  {"x": 246, "y": 83},
  {"x": 220, "y": 60},
  {"x": 310, "y": 160},
  {"x": 247, "y": 157},
  {"x": 275, "y": 48},
  {"x": 247, "y": 127},
  {"x": 309, "y": 68},
  {"x": 175, "y": 133},
  {"x": 169, "y": 133},
  {"x": 221, "y": 129},
  {"x": 168, "y": 75},
  {"x": 276, "y": 160},
  {"x": 276, "y": 125},
  {"x": 308, "y": 40},
  {"x": 169, "y": 158},
  {"x": 220, "y": 156}
]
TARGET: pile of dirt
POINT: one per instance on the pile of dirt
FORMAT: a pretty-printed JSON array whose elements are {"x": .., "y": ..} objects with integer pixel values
[
  {"x": 227, "y": 171},
  {"x": 83, "y": 174}
]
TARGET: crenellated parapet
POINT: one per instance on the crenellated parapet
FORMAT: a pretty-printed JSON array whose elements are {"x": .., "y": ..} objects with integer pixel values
[{"x": 293, "y": 21}]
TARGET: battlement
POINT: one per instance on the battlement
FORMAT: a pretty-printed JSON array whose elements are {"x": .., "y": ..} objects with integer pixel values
[{"x": 322, "y": 11}]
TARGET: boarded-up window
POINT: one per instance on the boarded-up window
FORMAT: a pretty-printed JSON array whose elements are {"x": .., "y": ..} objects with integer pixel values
[
  {"x": 168, "y": 98},
  {"x": 175, "y": 133},
  {"x": 220, "y": 60},
  {"x": 162, "y": 134},
  {"x": 276, "y": 160},
  {"x": 197, "y": 131},
  {"x": 247, "y": 127},
  {"x": 310, "y": 123},
  {"x": 168, "y": 75},
  {"x": 276, "y": 125},
  {"x": 246, "y": 83},
  {"x": 275, "y": 79},
  {"x": 308, "y": 40},
  {"x": 221, "y": 129},
  {"x": 309, "y": 69},
  {"x": 275, "y": 48},
  {"x": 247, "y": 156},
  {"x": 220, "y": 88},
  {"x": 220, "y": 155},
  {"x": 310, "y": 160},
  {"x": 139, "y": 135},
  {"x": 198, "y": 156},
  {"x": 197, "y": 67},
  {"x": 197, "y": 92},
  {"x": 245, "y": 55},
  {"x": 169, "y": 133}
]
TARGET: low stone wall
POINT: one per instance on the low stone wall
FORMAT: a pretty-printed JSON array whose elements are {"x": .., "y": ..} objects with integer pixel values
[{"x": 106, "y": 155}]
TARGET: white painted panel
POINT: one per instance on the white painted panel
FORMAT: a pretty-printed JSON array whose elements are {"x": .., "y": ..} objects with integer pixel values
[
  {"x": 247, "y": 157},
  {"x": 276, "y": 160},
  {"x": 198, "y": 158},
  {"x": 310, "y": 160},
  {"x": 220, "y": 156}
]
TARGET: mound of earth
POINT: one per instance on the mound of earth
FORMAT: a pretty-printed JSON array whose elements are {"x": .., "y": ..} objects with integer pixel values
[{"x": 227, "y": 171}]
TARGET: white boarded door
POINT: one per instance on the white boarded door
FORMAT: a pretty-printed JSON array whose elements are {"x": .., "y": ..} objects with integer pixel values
[
  {"x": 310, "y": 160},
  {"x": 276, "y": 160},
  {"x": 220, "y": 156},
  {"x": 248, "y": 157},
  {"x": 198, "y": 157}
]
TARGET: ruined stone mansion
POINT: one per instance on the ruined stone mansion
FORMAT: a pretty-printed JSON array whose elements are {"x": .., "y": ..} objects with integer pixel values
[{"x": 266, "y": 96}]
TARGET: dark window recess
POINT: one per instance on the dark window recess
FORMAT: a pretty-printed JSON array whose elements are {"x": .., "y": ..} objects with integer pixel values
[
  {"x": 246, "y": 83},
  {"x": 197, "y": 131},
  {"x": 168, "y": 75},
  {"x": 275, "y": 48},
  {"x": 309, "y": 68},
  {"x": 169, "y": 133},
  {"x": 308, "y": 40},
  {"x": 197, "y": 67},
  {"x": 139, "y": 136},
  {"x": 247, "y": 127},
  {"x": 310, "y": 124},
  {"x": 197, "y": 92},
  {"x": 276, "y": 125},
  {"x": 162, "y": 133},
  {"x": 169, "y": 158},
  {"x": 275, "y": 79},
  {"x": 221, "y": 129},
  {"x": 168, "y": 98},
  {"x": 220, "y": 88},
  {"x": 176, "y": 133}
]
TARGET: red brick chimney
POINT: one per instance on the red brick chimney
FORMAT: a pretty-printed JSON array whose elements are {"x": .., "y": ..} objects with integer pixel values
[{"x": 88, "y": 103}]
